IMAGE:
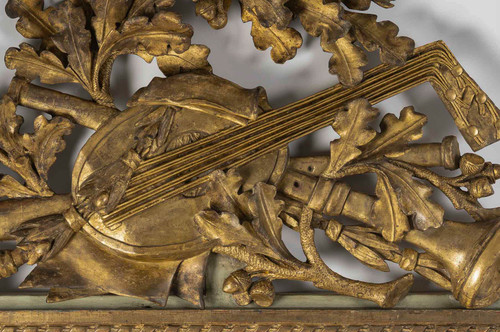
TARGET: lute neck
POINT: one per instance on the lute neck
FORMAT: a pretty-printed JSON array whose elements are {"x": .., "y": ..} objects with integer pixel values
[{"x": 172, "y": 173}]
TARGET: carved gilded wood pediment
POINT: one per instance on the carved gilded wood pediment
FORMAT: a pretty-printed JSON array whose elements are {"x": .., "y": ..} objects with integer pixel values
[{"x": 197, "y": 165}]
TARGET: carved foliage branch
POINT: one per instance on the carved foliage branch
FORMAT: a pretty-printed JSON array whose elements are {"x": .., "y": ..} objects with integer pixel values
[
  {"x": 29, "y": 155},
  {"x": 74, "y": 53},
  {"x": 338, "y": 29}
]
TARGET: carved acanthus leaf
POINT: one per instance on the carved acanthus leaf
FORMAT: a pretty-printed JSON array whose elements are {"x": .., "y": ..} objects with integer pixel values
[
  {"x": 352, "y": 127},
  {"x": 33, "y": 19},
  {"x": 381, "y": 36},
  {"x": 214, "y": 11},
  {"x": 413, "y": 197},
  {"x": 284, "y": 42},
  {"x": 195, "y": 58},
  {"x": 47, "y": 66}
]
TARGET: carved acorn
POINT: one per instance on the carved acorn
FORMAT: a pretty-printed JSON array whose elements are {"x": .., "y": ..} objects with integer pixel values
[
  {"x": 480, "y": 187},
  {"x": 242, "y": 298},
  {"x": 237, "y": 282},
  {"x": 262, "y": 293},
  {"x": 471, "y": 164}
]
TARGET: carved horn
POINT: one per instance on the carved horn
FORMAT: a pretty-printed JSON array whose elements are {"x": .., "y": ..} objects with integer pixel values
[
  {"x": 14, "y": 212},
  {"x": 84, "y": 112},
  {"x": 471, "y": 254}
]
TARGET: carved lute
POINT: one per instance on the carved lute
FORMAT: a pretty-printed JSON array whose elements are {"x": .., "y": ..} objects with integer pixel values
[
  {"x": 176, "y": 171},
  {"x": 181, "y": 169}
]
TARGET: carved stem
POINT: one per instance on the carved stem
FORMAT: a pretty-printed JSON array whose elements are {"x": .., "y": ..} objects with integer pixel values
[
  {"x": 316, "y": 271},
  {"x": 83, "y": 112}
]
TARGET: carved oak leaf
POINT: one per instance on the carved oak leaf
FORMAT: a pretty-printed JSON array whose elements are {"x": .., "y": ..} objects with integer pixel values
[
  {"x": 33, "y": 20},
  {"x": 74, "y": 40},
  {"x": 10, "y": 123},
  {"x": 413, "y": 197},
  {"x": 395, "y": 222},
  {"x": 365, "y": 4},
  {"x": 320, "y": 19},
  {"x": 346, "y": 61},
  {"x": 28, "y": 64},
  {"x": 107, "y": 14},
  {"x": 195, "y": 58},
  {"x": 267, "y": 223},
  {"x": 148, "y": 7},
  {"x": 352, "y": 127},
  {"x": 375, "y": 35},
  {"x": 142, "y": 35},
  {"x": 11, "y": 188},
  {"x": 284, "y": 43},
  {"x": 226, "y": 228},
  {"x": 213, "y": 11},
  {"x": 13, "y": 154},
  {"x": 396, "y": 133},
  {"x": 269, "y": 12},
  {"x": 227, "y": 187},
  {"x": 46, "y": 142}
]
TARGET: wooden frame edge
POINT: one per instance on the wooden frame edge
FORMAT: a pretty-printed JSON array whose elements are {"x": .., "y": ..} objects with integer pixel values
[{"x": 296, "y": 320}]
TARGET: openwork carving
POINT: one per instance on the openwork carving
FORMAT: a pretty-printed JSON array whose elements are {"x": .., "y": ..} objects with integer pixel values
[{"x": 198, "y": 165}]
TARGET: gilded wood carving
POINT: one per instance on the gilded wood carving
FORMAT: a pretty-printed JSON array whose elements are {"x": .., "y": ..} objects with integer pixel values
[{"x": 197, "y": 165}]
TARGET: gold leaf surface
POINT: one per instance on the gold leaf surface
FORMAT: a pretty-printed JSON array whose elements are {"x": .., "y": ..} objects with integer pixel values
[
  {"x": 346, "y": 61},
  {"x": 396, "y": 133},
  {"x": 381, "y": 36},
  {"x": 364, "y": 254},
  {"x": 267, "y": 223},
  {"x": 414, "y": 197},
  {"x": 352, "y": 126},
  {"x": 148, "y": 7},
  {"x": 226, "y": 228},
  {"x": 47, "y": 66},
  {"x": 320, "y": 19},
  {"x": 284, "y": 42},
  {"x": 74, "y": 40},
  {"x": 395, "y": 223},
  {"x": 140, "y": 34},
  {"x": 195, "y": 58},
  {"x": 33, "y": 19},
  {"x": 365, "y": 4},
  {"x": 46, "y": 142},
  {"x": 108, "y": 13},
  {"x": 213, "y": 11},
  {"x": 269, "y": 12},
  {"x": 11, "y": 188}
]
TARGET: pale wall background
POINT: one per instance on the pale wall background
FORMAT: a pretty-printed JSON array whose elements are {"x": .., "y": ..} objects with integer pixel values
[{"x": 470, "y": 28}]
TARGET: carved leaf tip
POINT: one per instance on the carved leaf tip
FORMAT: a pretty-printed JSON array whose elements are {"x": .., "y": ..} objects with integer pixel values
[
  {"x": 352, "y": 127},
  {"x": 213, "y": 11}
]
